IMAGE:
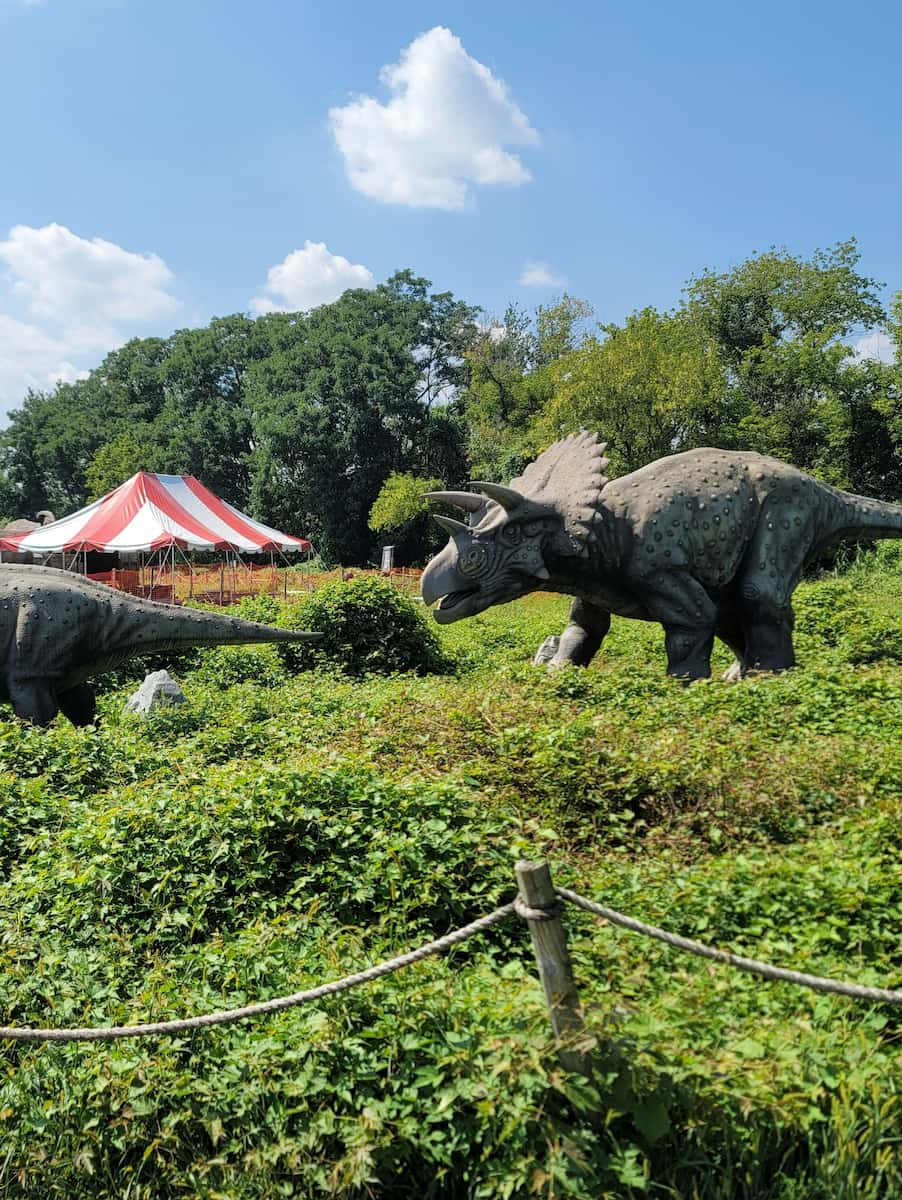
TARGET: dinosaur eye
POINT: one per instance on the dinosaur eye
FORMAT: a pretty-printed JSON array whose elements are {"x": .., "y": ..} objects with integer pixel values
[
  {"x": 512, "y": 535},
  {"x": 473, "y": 560}
]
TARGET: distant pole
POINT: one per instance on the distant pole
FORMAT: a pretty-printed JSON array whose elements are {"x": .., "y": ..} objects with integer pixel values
[{"x": 549, "y": 941}]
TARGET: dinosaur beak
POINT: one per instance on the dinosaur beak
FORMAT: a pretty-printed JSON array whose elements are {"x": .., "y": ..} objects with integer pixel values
[{"x": 443, "y": 582}]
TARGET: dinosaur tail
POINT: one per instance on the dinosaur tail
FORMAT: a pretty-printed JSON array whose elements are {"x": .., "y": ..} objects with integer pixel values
[
  {"x": 144, "y": 626},
  {"x": 864, "y": 519}
]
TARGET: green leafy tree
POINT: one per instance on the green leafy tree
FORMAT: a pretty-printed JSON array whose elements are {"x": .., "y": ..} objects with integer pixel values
[
  {"x": 403, "y": 516},
  {"x": 511, "y": 382},
  {"x": 353, "y": 391},
  {"x": 649, "y": 387},
  {"x": 117, "y": 460},
  {"x": 205, "y": 425},
  {"x": 400, "y": 501},
  {"x": 560, "y": 328},
  {"x": 777, "y": 296},
  {"x": 891, "y": 405},
  {"x": 9, "y": 500},
  {"x": 862, "y": 444},
  {"x": 779, "y": 325},
  {"x": 52, "y": 439}
]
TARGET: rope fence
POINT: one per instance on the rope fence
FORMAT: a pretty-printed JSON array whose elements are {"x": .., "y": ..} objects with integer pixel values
[
  {"x": 816, "y": 982},
  {"x": 540, "y": 904}
]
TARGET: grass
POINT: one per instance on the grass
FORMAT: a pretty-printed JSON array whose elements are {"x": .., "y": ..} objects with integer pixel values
[{"x": 283, "y": 830}]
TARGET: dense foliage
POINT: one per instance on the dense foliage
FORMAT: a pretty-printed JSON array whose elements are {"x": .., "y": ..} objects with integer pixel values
[
  {"x": 285, "y": 829},
  {"x": 368, "y": 627},
  {"x": 402, "y": 514},
  {"x": 312, "y": 419}
]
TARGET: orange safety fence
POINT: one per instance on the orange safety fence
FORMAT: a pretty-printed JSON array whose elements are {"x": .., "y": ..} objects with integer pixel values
[{"x": 226, "y": 583}]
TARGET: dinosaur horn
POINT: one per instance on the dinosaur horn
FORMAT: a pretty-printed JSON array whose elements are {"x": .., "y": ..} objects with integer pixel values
[
  {"x": 465, "y": 500},
  {"x": 505, "y": 496},
  {"x": 450, "y": 525}
]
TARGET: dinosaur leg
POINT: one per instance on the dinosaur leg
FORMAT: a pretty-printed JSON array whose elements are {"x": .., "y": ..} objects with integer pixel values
[
  {"x": 731, "y": 632},
  {"x": 768, "y": 627},
  {"x": 584, "y": 634},
  {"x": 78, "y": 704},
  {"x": 689, "y": 617},
  {"x": 688, "y": 652},
  {"x": 33, "y": 700},
  {"x": 771, "y": 570}
]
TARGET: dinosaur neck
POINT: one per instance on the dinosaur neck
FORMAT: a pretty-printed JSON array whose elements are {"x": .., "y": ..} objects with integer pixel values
[{"x": 602, "y": 557}]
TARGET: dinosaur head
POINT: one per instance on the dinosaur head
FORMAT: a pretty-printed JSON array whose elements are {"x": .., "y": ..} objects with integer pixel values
[
  {"x": 496, "y": 558},
  {"x": 516, "y": 532}
]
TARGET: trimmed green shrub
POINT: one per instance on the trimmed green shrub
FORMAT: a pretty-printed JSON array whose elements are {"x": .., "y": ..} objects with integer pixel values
[{"x": 368, "y": 626}]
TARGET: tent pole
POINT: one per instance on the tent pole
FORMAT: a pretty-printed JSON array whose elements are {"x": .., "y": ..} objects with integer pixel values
[
  {"x": 176, "y": 546},
  {"x": 284, "y": 559}
]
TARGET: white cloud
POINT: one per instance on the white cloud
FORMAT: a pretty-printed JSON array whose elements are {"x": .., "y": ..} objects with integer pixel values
[
  {"x": 30, "y": 358},
  {"x": 62, "y": 276},
  {"x": 309, "y": 277},
  {"x": 67, "y": 298},
  {"x": 879, "y": 346},
  {"x": 540, "y": 275},
  {"x": 444, "y": 127}
]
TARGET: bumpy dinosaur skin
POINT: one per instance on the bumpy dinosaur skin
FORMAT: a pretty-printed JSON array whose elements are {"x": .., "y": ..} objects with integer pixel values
[
  {"x": 709, "y": 543},
  {"x": 57, "y": 630}
]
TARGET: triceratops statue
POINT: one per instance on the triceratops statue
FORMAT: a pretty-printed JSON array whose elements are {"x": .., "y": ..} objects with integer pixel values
[{"x": 709, "y": 543}]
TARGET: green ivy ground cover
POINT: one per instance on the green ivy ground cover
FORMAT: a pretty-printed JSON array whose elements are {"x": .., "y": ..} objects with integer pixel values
[{"x": 287, "y": 829}]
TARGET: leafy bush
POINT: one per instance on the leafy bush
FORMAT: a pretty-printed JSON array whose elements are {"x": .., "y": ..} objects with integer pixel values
[
  {"x": 824, "y": 612},
  {"x": 265, "y": 609},
  {"x": 225, "y": 666},
  {"x": 368, "y": 626},
  {"x": 873, "y": 641}
]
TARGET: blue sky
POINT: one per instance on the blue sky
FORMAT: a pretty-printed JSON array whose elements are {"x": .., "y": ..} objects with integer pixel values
[{"x": 166, "y": 161}]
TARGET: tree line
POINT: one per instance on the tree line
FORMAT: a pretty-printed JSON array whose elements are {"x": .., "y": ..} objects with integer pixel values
[{"x": 332, "y": 423}]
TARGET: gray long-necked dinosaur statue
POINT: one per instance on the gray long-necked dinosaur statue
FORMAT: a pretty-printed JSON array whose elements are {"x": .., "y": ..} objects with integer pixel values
[
  {"x": 708, "y": 543},
  {"x": 57, "y": 630}
]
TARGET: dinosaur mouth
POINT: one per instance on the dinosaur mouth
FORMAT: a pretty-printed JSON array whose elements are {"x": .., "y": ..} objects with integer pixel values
[{"x": 446, "y": 609}]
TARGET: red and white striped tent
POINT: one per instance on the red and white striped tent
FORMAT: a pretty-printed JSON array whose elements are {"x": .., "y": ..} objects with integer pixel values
[{"x": 152, "y": 512}]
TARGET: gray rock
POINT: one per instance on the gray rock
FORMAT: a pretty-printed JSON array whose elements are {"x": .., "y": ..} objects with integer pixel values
[
  {"x": 159, "y": 690},
  {"x": 546, "y": 651}
]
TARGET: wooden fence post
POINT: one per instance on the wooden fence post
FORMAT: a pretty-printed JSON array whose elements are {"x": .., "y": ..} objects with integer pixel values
[{"x": 555, "y": 970}]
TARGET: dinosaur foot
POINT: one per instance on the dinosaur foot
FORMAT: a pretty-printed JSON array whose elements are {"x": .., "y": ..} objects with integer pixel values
[{"x": 546, "y": 651}]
